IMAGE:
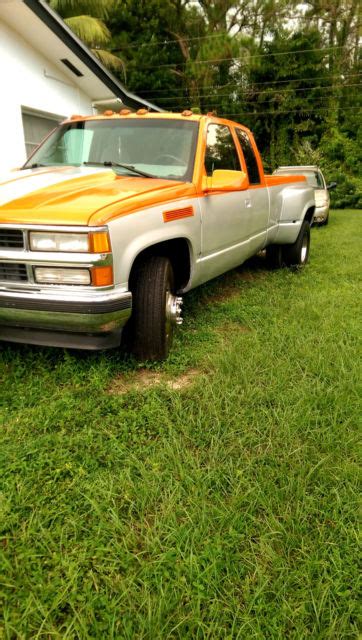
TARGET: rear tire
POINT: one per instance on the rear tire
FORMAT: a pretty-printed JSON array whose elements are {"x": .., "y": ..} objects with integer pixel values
[
  {"x": 274, "y": 256},
  {"x": 297, "y": 254},
  {"x": 155, "y": 310}
]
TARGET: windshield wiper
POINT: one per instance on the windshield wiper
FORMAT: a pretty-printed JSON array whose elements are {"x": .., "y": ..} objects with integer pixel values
[
  {"x": 35, "y": 165},
  {"x": 130, "y": 167}
]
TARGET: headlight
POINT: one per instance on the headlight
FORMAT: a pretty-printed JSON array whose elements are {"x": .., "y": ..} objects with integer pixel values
[
  {"x": 57, "y": 275},
  {"x": 93, "y": 242},
  {"x": 73, "y": 242}
]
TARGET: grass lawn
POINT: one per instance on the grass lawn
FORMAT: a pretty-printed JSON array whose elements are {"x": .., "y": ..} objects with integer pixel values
[{"x": 212, "y": 496}]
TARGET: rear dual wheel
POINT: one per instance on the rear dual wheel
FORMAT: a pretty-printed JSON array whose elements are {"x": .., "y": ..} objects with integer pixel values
[
  {"x": 291, "y": 255},
  {"x": 156, "y": 309},
  {"x": 297, "y": 254}
]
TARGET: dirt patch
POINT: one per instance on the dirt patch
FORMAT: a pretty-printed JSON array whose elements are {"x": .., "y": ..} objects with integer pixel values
[
  {"x": 231, "y": 328},
  {"x": 224, "y": 294},
  {"x": 144, "y": 379},
  {"x": 230, "y": 287},
  {"x": 183, "y": 381}
]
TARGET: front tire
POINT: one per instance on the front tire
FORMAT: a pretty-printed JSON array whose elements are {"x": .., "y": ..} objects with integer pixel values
[
  {"x": 156, "y": 309},
  {"x": 297, "y": 254}
]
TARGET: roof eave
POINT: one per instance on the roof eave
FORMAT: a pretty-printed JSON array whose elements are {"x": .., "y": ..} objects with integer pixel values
[{"x": 60, "y": 29}]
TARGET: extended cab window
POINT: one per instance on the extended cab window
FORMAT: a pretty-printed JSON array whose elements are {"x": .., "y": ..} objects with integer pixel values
[
  {"x": 249, "y": 155},
  {"x": 221, "y": 152}
]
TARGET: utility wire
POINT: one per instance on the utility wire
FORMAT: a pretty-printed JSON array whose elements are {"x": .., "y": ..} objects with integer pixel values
[
  {"x": 182, "y": 103},
  {"x": 214, "y": 35},
  {"x": 273, "y": 91},
  {"x": 300, "y": 112},
  {"x": 245, "y": 57},
  {"x": 254, "y": 84}
]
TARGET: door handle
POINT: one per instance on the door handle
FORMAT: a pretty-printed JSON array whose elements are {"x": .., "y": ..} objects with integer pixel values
[{"x": 247, "y": 203}]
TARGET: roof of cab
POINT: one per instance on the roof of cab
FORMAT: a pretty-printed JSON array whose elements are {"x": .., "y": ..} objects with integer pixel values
[{"x": 165, "y": 115}]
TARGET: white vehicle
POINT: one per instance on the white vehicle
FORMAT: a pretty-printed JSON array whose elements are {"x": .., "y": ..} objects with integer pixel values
[{"x": 315, "y": 179}]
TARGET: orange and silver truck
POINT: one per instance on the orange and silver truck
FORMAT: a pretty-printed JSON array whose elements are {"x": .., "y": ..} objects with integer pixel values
[{"x": 114, "y": 217}]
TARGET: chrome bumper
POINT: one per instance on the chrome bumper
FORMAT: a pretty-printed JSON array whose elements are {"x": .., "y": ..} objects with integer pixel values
[
  {"x": 66, "y": 313},
  {"x": 321, "y": 213}
]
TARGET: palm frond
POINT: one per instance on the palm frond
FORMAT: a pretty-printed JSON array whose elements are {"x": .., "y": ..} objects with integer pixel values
[
  {"x": 91, "y": 30},
  {"x": 96, "y": 8},
  {"x": 111, "y": 61}
]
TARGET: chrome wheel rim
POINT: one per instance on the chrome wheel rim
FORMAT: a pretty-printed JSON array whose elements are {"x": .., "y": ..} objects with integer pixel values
[
  {"x": 304, "y": 249},
  {"x": 173, "y": 312}
]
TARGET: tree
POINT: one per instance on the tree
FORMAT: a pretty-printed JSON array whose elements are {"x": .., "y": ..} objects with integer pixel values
[
  {"x": 288, "y": 70},
  {"x": 87, "y": 19}
]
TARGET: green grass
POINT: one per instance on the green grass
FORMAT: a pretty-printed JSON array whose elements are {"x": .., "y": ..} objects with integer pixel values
[{"x": 225, "y": 510}]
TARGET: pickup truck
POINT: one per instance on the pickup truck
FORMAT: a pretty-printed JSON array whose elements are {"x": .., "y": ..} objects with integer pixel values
[{"x": 114, "y": 217}]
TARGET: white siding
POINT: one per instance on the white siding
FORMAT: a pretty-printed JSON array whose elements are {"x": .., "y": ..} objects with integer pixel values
[{"x": 29, "y": 80}]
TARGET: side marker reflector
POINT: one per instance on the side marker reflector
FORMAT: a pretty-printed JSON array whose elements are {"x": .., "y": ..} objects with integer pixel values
[{"x": 178, "y": 214}]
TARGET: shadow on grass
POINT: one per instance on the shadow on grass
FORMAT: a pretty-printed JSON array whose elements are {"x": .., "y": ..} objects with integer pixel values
[{"x": 219, "y": 290}]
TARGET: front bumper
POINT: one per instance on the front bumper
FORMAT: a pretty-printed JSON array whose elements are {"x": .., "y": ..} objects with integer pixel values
[
  {"x": 321, "y": 213},
  {"x": 63, "y": 319}
]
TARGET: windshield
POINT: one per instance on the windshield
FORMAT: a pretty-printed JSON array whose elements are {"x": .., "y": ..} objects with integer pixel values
[
  {"x": 162, "y": 148},
  {"x": 314, "y": 179}
]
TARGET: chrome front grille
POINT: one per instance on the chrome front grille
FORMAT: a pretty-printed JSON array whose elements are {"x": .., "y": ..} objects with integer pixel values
[
  {"x": 11, "y": 239},
  {"x": 13, "y": 272}
]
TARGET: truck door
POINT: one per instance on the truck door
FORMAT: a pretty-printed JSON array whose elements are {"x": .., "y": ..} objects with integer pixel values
[
  {"x": 225, "y": 216},
  {"x": 258, "y": 194}
]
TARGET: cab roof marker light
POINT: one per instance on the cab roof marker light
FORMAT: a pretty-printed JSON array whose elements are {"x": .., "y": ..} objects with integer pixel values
[{"x": 142, "y": 112}]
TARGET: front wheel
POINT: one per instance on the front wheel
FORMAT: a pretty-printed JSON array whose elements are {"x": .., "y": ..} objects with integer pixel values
[
  {"x": 156, "y": 309},
  {"x": 297, "y": 254}
]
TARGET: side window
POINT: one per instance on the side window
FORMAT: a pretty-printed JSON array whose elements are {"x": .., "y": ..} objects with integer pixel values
[
  {"x": 221, "y": 152},
  {"x": 249, "y": 155}
]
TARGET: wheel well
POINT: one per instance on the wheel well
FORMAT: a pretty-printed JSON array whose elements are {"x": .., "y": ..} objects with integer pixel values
[
  {"x": 178, "y": 252},
  {"x": 309, "y": 215}
]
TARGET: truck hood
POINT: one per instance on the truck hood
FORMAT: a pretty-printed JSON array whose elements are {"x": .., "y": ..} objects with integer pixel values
[{"x": 80, "y": 195}]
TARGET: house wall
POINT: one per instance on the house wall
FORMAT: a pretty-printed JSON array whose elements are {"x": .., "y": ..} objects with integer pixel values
[{"x": 28, "y": 80}]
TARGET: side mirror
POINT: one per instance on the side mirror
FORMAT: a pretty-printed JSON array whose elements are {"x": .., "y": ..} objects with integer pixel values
[
  {"x": 225, "y": 180},
  {"x": 331, "y": 186}
]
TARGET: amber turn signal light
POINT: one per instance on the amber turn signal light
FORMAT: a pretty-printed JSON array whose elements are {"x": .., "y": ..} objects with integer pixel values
[
  {"x": 102, "y": 276},
  {"x": 99, "y": 242}
]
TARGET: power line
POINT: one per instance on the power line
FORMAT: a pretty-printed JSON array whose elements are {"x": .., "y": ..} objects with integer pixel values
[
  {"x": 300, "y": 112},
  {"x": 273, "y": 91},
  {"x": 178, "y": 106},
  {"x": 254, "y": 84},
  {"x": 258, "y": 55},
  {"x": 212, "y": 36}
]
